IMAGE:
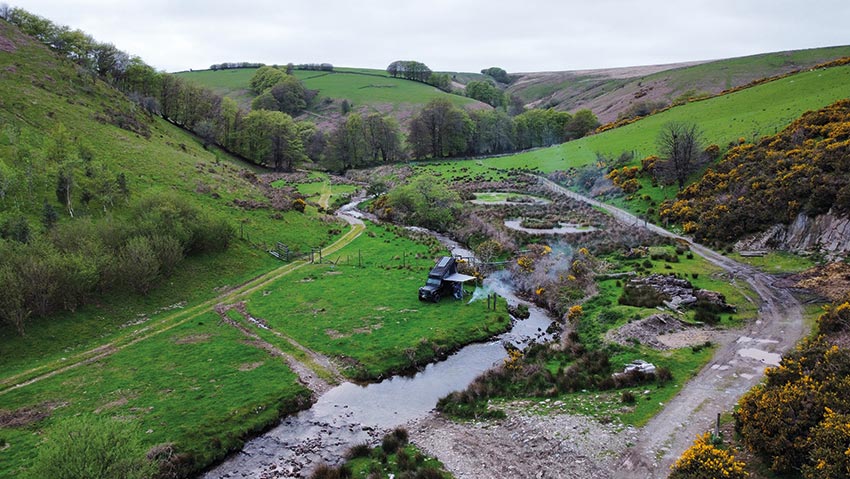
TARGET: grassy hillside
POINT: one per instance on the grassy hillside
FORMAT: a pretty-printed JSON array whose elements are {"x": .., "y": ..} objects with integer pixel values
[
  {"x": 750, "y": 113},
  {"x": 41, "y": 96},
  {"x": 365, "y": 89},
  {"x": 610, "y": 92}
]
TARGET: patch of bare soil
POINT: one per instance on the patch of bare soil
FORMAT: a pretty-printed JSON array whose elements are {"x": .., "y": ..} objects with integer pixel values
[
  {"x": 112, "y": 404},
  {"x": 244, "y": 367},
  {"x": 830, "y": 281},
  {"x": 525, "y": 445},
  {"x": 28, "y": 415},
  {"x": 193, "y": 339},
  {"x": 659, "y": 331}
]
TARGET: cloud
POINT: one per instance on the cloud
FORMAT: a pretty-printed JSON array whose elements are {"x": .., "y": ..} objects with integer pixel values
[{"x": 451, "y": 35}]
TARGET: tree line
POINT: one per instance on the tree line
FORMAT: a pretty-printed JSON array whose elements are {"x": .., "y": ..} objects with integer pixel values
[
  {"x": 269, "y": 136},
  {"x": 418, "y": 71}
]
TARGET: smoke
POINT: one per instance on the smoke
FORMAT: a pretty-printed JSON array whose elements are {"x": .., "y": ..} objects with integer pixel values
[
  {"x": 499, "y": 282},
  {"x": 480, "y": 293}
]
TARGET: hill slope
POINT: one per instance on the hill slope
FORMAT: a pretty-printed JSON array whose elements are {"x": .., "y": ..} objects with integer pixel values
[
  {"x": 366, "y": 90},
  {"x": 608, "y": 93}
]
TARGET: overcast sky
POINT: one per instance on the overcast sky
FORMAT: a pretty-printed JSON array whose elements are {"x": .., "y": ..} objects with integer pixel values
[{"x": 458, "y": 35}]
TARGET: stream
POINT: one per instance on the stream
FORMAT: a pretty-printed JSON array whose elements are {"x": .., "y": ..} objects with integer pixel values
[{"x": 350, "y": 414}]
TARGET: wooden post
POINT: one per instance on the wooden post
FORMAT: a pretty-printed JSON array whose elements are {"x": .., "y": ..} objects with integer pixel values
[
  {"x": 717, "y": 427},
  {"x": 359, "y": 259}
]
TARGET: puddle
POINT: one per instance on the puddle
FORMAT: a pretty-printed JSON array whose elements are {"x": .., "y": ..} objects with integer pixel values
[{"x": 564, "y": 228}]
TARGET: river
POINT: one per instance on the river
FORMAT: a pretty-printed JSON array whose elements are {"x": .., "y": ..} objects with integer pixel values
[{"x": 350, "y": 414}]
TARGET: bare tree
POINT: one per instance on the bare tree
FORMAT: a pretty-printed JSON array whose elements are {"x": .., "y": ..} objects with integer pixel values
[{"x": 680, "y": 146}]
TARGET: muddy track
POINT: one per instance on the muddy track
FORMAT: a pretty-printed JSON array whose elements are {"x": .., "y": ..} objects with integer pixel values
[
  {"x": 737, "y": 365},
  {"x": 170, "y": 321}
]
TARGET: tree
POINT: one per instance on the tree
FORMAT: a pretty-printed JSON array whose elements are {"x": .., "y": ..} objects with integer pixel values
[
  {"x": 265, "y": 78},
  {"x": 486, "y": 92},
  {"x": 680, "y": 146},
  {"x": 440, "y": 130},
  {"x": 425, "y": 203},
  {"x": 498, "y": 74},
  {"x": 90, "y": 446},
  {"x": 383, "y": 137},
  {"x": 347, "y": 146},
  {"x": 290, "y": 95},
  {"x": 272, "y": 138},
  {"x": 582, "y": 123},
  {"x": 494, "y": 132}
]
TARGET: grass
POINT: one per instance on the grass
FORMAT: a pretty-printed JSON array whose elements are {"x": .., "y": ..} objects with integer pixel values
[
  {"x": 320, "y": 188},
  {"x": 363, "y": 466},
  {"x": 371, "y": 318},
  {"x": 362, "y": 87},
  {"x": 750, "y": 113},
  {"x": 777, "y": 262},
  {"x": 684, "y": 363},
  {"x": 200, "y": 386}
]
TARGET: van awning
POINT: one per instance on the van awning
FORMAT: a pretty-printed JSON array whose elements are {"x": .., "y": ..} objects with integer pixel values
[{"x": 459, "y": 278}]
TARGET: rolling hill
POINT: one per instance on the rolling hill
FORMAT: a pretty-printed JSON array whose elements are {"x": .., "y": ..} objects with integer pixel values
[
  {"x": 610, "y": 92},
  {"x": 366, "y": 90}
]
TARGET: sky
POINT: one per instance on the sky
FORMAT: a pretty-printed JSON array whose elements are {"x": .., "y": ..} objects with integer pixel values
[{"x": 458, "y": 35}]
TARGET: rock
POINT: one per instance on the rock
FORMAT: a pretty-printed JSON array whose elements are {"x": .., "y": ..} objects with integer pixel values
[{"x": 828, "y": 233}]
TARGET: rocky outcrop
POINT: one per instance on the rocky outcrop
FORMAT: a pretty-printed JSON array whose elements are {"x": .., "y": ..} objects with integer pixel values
[
  {"x": 671, "y": 291},
  {"x": 827, "y": 233}
]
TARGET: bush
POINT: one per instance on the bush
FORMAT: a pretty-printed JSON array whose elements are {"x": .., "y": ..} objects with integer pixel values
[
  {"x": 628, "y": 397},
  {"x": 705, "y": 461}
]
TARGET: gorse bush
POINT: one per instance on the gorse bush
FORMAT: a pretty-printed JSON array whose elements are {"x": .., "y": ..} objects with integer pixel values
[
  {"x": 704, "y": 460},
  {"x": 797, "y": 418},
  {"x": 803, "y": 169}
]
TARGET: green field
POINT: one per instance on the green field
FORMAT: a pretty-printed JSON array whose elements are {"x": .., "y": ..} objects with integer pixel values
[
  {"x": 370, "y": 315},
  {"x": 200, "y": 386},
  {"x": 358, "y": 86}
]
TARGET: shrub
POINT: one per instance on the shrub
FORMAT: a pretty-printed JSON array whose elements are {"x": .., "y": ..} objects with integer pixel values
[
  {"x": 628, "y": 397},
  {"x": 705, "y": 461}
]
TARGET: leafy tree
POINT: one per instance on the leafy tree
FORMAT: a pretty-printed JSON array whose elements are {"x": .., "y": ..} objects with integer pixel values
[
  {"x": 290, "y": 95},
  {"x": 383, "y": 137},
  {"x": 493, "y": 132},
  {"x": 137, "y": 265},
  {"x": 498, "y": 74},
  {"x": 90, "y": 446},
  {"x": 264, "y": 78},
  {"x": 486, "y": 92},
  {"x": 680, "y": 146},
  {"x": 582, "y": 123},
  {"x": 409, "y": 69},
  {"x": 271, "y": 138},
  {"x": 440, "y": 130},
  {"x": 265, "y": 101},
  {"x": 13, "y": 307},
  {"x": 535, "y": 128},
  {"x": 347, "y": 145}
]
